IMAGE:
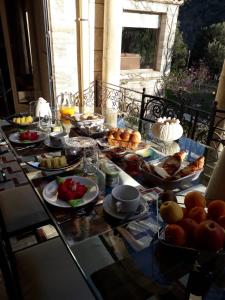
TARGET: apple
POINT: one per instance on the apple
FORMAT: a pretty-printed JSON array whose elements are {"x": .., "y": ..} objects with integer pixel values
[
  {"x": 198, "y": 214},
  {"x": 216, "y": 208},
  {"x": 193, "y": 199},
  {"x": 221, "y": 221},
  {"x": 171, "y": 212},
  {"x": 190, "y": 226},
  {"x": 210, "y": 236},
  {"x": 185, "y": 212},
  {"x": 175, "y": 235},
  {"x": 168, "y": 195}
]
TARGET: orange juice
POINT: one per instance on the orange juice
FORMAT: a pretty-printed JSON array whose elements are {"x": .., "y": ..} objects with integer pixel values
[{"x": 66, "y": 111}]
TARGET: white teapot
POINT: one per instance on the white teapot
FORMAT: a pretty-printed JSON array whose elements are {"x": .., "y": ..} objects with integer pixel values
[{"x": 42, "y": 108}]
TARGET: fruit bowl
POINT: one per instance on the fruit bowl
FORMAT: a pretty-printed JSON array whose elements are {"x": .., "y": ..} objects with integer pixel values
[
  {"x": 193, "y": 226},
  {"x": 202, "y": 257}
]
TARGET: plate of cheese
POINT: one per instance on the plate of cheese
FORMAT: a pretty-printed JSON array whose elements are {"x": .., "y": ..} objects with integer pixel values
[{"x": 55, "y": 161}]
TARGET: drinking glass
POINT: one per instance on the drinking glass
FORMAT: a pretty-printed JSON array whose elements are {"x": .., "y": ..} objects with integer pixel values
[
  {"x": 90, "y": 159},
  {"x": 45, "y": 123}
]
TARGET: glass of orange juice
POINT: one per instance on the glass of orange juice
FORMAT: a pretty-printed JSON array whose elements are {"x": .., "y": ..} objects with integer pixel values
[{"x": 66, "y": 111}]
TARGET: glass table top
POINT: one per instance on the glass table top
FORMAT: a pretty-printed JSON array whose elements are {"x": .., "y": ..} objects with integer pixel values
[{"x": 122, "y": 259}]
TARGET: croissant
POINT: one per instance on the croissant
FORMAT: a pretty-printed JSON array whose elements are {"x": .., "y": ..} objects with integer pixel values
[
  {"x": 180, "y": 155},
  {"x": 172, "y": 164},
  {"x": 194, "y": 166}
]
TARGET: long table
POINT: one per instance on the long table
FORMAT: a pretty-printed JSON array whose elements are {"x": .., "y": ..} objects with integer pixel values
[{"x": 124, "y": 258}]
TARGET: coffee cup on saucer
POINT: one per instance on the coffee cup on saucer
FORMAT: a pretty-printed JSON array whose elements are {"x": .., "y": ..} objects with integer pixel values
[
  {"x": 57, "y": 139},
  {"x": 125, "y": 198}
]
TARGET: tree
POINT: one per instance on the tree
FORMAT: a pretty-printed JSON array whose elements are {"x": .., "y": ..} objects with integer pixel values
[
  {"x": 180, "y": 52},
  {"x": 210, "y": 47}
]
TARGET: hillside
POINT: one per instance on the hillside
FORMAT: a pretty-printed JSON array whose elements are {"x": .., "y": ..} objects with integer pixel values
[{"x": 195, "y": 14}]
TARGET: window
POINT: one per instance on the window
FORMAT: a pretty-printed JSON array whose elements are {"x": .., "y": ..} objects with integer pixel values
[
  {"x": 138, "y": 48},
  {"x": 139, "y": 41}
]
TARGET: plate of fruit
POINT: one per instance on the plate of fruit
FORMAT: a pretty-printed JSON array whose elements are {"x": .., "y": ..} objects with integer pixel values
[
  {"x": 27, "y": 137},
  {"x": 22, "y": 120},
  {"x": 70, "y": 191},
  {"x": 196, "y": 225}
]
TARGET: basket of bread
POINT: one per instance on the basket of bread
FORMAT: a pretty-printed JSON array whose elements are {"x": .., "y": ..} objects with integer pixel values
[
  {"x": 172, "y": 171},
  {"x": 122, "y": 137}
]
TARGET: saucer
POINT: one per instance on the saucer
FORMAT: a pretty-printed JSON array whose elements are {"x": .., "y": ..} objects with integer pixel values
[{"x": 107, "y": 205}]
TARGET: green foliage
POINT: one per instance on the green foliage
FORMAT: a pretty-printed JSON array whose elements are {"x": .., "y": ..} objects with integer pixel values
[
  {"x": 192, "y": 85},
  {"x": 210, "y": 47},
  {"x": 180, "y": 52},
  {"x": 140, "y": 41},
  {"x": 196, "y": 14}
]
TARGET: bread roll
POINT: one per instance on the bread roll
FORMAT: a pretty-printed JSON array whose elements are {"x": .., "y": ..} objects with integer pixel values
[
  {"x": 135, "y": 137},
  {"x": 116, "y": 135},
  {"x": 125, "y": 136},
  {"x": 133, "y": 146},
  {"x": 124, "y": 144}
]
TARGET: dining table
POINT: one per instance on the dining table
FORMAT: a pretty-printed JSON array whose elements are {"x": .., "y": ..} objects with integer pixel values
[{"x": 120, "y": 257}]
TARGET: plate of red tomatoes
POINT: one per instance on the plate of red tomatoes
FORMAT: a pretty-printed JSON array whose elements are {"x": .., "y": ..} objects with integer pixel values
[
  {"x": 70, "y": 191},
  {"x": 27, "y": 137}
]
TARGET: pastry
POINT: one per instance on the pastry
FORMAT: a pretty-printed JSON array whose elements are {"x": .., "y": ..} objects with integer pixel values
[
  {"x": 124, "y": 137},
  {"x": 194, "y": 166},
  {"x": 135, "y": 137}
]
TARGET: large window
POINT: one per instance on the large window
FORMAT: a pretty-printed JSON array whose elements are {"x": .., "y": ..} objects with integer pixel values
[
  {"x": 139, "y": 46},
  {"x": 139, "y": 40}
]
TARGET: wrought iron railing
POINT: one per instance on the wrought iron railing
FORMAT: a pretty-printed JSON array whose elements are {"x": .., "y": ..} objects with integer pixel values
[{"x": 142, "y": 110}]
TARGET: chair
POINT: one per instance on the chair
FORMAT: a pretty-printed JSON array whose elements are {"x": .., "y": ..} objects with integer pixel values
[
  {"x": 195, "y": 122},
  {"x": 216, "y": 135}
]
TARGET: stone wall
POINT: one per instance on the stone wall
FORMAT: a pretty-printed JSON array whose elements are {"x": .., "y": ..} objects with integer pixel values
[
  {"x": 64, "y": 42},
  {"x": 149, "y": 78},
  {"x": 64, "y": 47}
]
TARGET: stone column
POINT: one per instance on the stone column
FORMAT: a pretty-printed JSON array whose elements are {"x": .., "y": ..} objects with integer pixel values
[
  {"x": 220, "y": 94},
  {"x": 112, "y": 38},
  {"x": 220, "y": 99}
]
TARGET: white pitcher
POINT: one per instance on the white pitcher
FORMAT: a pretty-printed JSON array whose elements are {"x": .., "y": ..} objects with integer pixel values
[{"x": 42, "y": 108}]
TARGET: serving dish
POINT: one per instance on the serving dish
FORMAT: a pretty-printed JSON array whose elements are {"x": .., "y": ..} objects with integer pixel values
[
  {"x": 22, "y": 115},
  {"x": 91, "y": 119},
  {"x": 71, "y": 160},
  {"x": 94, "y": 131},
  {"x": 50, "y": 193},
  {"x": 15, "y": 137},
  {"x": 159, "y": 179}
]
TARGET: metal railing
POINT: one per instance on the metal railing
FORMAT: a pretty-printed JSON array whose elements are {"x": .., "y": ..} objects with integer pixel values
[{"x": 138, "y": 108}]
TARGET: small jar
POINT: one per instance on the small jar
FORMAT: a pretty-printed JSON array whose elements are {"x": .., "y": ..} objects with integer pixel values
[{"x": 111, "y": 173}]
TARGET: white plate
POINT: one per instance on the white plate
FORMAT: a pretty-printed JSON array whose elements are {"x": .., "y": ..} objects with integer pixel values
[
  {"x": 51, "y": 196},
  {"x": 72, "y": 160},
  {"x": 107, "y": 205},
  {"x": 15, "y": 137}
]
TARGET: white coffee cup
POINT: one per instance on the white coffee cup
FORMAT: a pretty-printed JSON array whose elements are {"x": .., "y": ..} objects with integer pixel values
[{"x": 125, "y": 198}]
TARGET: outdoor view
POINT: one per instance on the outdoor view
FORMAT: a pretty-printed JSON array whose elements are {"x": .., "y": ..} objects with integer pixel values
[
  {"x": 139, "y": 47},
  {"x": 199, "y": 53}
]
